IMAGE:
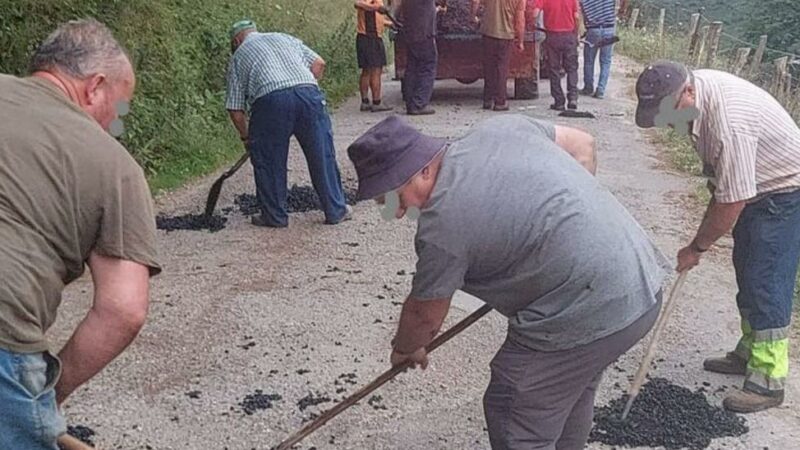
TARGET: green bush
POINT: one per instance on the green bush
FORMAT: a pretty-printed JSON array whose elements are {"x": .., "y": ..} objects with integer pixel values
[{"x": 178, "y": 127}]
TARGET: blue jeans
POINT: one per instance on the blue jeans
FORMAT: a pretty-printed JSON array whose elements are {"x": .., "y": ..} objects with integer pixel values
[
  {"x": 420, "y": 74},
  {"x": 766, "y": 252},
  {"x": 29, "y": 416},
  {"x": 276, "y": 117},
  {"x": 595, "y": 35}
]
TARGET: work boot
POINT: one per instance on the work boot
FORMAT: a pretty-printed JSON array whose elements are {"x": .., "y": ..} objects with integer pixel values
[
  {"x": 380, "y": 108},
  {"x": 572, "y": 105},
  {"x": 747, "y": 401},
  {"x": 421, "y": 112},
  {"x": 731, "y": 364},
  {"x": 586, "y": 91},
  {"x": 557, "y": 107},
  {"x": 261, "y": 221},
  {"x": 348, "y": 215}
]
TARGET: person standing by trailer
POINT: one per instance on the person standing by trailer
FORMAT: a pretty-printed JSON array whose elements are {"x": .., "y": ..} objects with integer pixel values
[{"x": 371, "y": 52}]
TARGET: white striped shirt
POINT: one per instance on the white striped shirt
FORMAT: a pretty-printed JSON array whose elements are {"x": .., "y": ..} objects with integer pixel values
[
  {"x": 749, "y": 144},
  {"x": 264, "y": 63}
]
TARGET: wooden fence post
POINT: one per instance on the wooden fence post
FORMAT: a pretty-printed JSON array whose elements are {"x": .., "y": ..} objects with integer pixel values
[
  {"x": 701, "y": 43},
  {"x": 713, "y": 43},
  {"x": 634, "y": 17},
  {"x": 694, "y": 28},
  {"x": 756, "y": 63},
  {"x": 778, "y": 77},
  {"x": 660, "y": 31},
  {"x": 741, "y": 60}
]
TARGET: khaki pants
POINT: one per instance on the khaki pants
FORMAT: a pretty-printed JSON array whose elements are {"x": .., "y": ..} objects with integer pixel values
[{"x": 545, "y": 400}]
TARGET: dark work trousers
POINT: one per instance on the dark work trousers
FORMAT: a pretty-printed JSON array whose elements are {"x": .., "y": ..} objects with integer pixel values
[
  {"x": 420, "y": 73},
  {"x": 300, "y": 112},
  {"x": 562, "y": 50},
  {"x": 496, "y": 65},
  {"x": 544, "y": 400}
]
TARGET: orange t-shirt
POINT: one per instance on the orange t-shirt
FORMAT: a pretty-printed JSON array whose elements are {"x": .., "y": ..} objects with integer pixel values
[{"x": 371, "y": 23}]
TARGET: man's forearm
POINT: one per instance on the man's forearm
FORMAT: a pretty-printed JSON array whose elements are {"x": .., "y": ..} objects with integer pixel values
[
  {"x": 239, "y": 119},
  {"x": 417, "y": 327},
  {"x": 99, "y": 338},
  {"x": 718, "y": 220},
  {"x": 520, "y": 22}
]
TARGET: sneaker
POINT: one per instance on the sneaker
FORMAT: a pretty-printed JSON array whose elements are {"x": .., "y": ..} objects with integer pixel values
[
  {"x": 381, "y": 108},
  {"x": 586, "y": 91},
  {"x": 557, "y": 107},
  {"x": 500, "y": 107},
  {"x": 599, "y": 95},
  {"x": 421, "y": 112},
  {"x": 261, "y": 221},
  {"x": 365, "y": 107},
  {"x": 348, "y": 215},
  {"x": 731, "y": 364},
  {"x": 747, "y": 401}
]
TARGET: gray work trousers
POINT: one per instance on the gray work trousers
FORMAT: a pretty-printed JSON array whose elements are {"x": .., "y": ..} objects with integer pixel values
[{"x": 545, "y": 400}]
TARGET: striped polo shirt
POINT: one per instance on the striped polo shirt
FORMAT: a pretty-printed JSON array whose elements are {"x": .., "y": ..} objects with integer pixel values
[
  {"x": 598, "y": 13},
  {"x": 264, "y": 63},
  {"x": 749, "y": 144}
]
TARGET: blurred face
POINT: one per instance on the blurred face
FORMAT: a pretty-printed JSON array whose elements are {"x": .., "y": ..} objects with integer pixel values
[
  {"x": 411, "y": 196},
  {"x": 102, "y": 94}
]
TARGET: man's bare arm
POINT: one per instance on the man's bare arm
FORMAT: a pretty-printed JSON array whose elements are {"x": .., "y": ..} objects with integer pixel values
[
  {"x": 239, "y": 119},
  {"x": 318, "y": 68},
  {"x": 420, "y": 322},
  {"x": 121, "y": 298},
  {"x": 579, "y": 144},
  {"x": 718, "y": 220}
]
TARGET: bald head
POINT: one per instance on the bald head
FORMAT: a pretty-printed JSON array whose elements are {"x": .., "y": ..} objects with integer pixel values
[{"x": 83, "y": 58}]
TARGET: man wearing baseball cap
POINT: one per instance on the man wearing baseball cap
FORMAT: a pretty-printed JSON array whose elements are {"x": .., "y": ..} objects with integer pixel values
[
  {"x": 512, "y": 214},
  {"x": 750, "y": 149}
]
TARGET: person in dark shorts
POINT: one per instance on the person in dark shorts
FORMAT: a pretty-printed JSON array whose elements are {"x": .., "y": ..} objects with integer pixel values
[{"x": 371, "y": 52}]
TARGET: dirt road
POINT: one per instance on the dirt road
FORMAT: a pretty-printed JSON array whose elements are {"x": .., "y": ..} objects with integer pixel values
[{"x": 311, "y": 309}]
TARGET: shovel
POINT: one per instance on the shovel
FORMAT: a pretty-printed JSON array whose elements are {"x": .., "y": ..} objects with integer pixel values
[
  {"x": 380, "y": 381},
  {"x": 661, "y": 324},
  {"x": 216, "y": 188}
]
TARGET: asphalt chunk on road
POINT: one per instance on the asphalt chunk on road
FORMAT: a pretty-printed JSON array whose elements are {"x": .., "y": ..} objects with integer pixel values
[
  {"x": 665, "y": 415},
  {"x": 193, "y": 222},
  {"x": 312, "y": 400},
  {"x": 299, "y": 199},
  {"x": 82, "y": 433},
  {"x": 258, "y": 401}
]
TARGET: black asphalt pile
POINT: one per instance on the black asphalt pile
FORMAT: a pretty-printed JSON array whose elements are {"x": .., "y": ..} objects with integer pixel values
[
  {"x": 458, "y": 18},
  {"x": 665, "y": 415},
  {"x": 299, "y": 199},
  {"x": 191, "y": 222},
  {"x": 258, "y": 401},
  {"x": 82, "y": 433}
]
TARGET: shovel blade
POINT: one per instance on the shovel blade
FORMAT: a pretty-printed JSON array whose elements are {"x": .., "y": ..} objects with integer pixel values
[{"x": 213, "y": 196}]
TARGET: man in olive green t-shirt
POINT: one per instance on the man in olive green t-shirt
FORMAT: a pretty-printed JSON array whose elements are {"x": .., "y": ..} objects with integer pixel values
[
  {"x": 70, "y": 195},
  {"x": 503, "y": 21}
]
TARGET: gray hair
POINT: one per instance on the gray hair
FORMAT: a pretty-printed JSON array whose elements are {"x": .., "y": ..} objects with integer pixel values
[{"x": 80, "y": 48}]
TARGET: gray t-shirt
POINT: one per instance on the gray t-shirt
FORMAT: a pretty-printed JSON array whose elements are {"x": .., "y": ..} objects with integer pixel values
[{"x": 515, "y": 221}]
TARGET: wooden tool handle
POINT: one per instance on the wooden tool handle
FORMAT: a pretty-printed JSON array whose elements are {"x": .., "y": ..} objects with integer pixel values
[
  {"x": 68, "y": 442},
  {"x": 380, "y": 381}
]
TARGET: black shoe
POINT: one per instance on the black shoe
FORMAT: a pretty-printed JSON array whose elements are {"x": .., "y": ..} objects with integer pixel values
[
  {"x": 487, "y": 105},
  {"x": 557, "y": 107},
  {"x": 421, "y": 112},
  {"x": 260, "y": 221},
  {"x": 586, "y": 91},
  {"x": 572, "y": 105}
]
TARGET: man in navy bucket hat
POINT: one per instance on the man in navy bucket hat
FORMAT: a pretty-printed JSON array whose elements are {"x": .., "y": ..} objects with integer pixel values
[{"x": 512, "y": 214}]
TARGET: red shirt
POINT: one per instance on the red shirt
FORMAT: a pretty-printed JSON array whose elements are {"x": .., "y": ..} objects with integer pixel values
[{"x": 559, "y": 15}]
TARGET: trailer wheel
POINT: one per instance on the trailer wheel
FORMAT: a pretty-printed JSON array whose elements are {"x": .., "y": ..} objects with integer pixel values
[
  {"x": 467, "y": 80},
  {"x": 526, "y": 88}
]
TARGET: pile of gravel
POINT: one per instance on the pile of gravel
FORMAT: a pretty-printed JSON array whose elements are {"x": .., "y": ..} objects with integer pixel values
[
  {"x": 299, "y": 199},
  {"x": 665, "y": 415},
  {"x": 194, "y": 222},
  {"x": 458, "y": 18}
]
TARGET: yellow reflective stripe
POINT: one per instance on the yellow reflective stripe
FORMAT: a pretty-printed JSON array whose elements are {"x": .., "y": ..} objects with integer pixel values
[{"x": 770, "y": 358}]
